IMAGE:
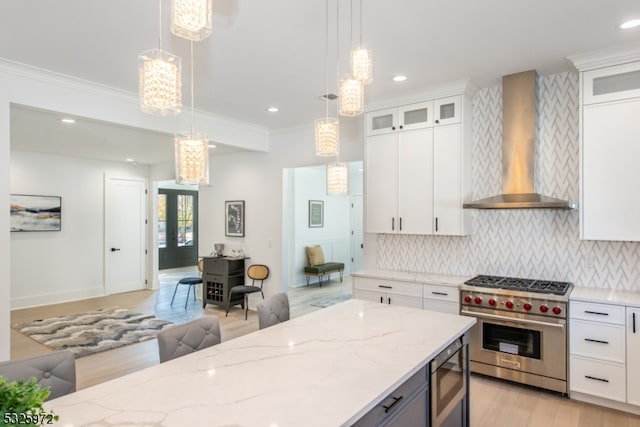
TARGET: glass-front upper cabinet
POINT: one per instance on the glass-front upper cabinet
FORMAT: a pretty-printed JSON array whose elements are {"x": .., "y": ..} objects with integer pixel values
[
  {"x": 407, "y": 117},
  {"x": 447, "y": 110},
  {"x": 611, "y": 83}
]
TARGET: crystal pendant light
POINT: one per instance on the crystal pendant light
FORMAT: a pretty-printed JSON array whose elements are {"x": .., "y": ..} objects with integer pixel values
[
  {"x": 159, "y": 79},
  {"x": 191, "y": 19},
  {"x": 337, "y": 179},
  {"x": 362, "y": 65},
  {"x": 361, "y": 60},
  {"x": 326, "y": 129},
  {"x": 192, "y": 151},
  {"x": 327, "y": 137},
  {"x": 351, "y": 97}
]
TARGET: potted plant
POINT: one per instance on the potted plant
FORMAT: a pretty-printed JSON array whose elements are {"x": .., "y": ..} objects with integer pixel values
[{"x": 21, "y": 403}]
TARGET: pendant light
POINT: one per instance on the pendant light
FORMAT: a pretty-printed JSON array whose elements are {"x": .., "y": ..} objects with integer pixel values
[
  {"x": 192, "y": 151},
  {"x": 327, "y": 136},
  {"x": 350, "y": 92},
  {"x": 191, "y": 19},
  {"x": 159, "y": 79},
  {"x": 361, "y": 60},
  {"x": 337, "y": 179}
]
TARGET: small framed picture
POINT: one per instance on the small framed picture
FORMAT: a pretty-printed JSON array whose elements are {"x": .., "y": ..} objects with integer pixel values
[
  {"x": 234, "y": 218},
  {"x": 316, "y": 213}
]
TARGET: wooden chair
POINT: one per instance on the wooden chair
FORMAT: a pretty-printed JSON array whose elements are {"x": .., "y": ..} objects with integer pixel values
[{"x": 254, "y": 272}]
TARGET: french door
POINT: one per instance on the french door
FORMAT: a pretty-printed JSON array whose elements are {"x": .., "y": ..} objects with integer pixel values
[{"x": 177, "y": 228}]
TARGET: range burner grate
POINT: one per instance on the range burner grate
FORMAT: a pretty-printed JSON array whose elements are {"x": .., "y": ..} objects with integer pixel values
[{"x": 519, "y": 284}]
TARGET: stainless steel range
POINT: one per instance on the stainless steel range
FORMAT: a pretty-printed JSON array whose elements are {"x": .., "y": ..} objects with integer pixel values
[{"x": 521, "y": 334}]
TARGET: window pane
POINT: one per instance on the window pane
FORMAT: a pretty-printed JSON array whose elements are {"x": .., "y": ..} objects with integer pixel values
[
  {"x": 162, "y": 220},
  {"x": 185, "y": 220}
]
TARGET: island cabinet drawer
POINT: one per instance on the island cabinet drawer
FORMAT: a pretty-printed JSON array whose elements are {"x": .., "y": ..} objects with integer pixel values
[
  {"x": 397, "y": 401},
  {"x": 598, "y": 340},
  {"x": 441, "y": 293},
  {"x": 409, "y": 289},
  {"x": 598, "y": 378},
  {"x": 604, "y": 313}
]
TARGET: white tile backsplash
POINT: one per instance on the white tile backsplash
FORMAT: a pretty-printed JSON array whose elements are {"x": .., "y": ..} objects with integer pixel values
[{"x": 531, "y": 243}]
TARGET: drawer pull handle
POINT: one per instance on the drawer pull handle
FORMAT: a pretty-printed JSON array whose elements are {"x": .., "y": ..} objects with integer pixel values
[
  {"x": 596, "y": 379},
  {"x": 597, "y": 341},
  {"x": 633, "y": 315},
  {"x": 385, "y": 286},
  {"x": 596, "y": 312},
  {"x": 395, "y": 401},
  {"x": 440, "y": 293}
]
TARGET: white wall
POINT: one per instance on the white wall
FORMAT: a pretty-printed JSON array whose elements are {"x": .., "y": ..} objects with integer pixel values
[
  {"x": 56, "y": 266},
  {"x": 5, "y": 268},
  {"x": 257, "y": 178}
]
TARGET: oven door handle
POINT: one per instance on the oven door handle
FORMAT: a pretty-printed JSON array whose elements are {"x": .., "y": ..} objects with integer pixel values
[{"x": 511, "y": 319}]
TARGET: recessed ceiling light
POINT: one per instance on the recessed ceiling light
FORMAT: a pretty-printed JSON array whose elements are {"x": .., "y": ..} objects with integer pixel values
[
  {"x": 68, "y": 120},
  {"x": 399, "y": 78},
  {"x": 632, "y": 23},
  {"x": 130, "y": 160},
  {"x": 273, "y": 109},
  {"x": 212, "y": 145}
]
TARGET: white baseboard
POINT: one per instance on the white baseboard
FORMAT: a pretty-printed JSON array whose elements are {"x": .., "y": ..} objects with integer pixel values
[
  {"x": 56, "y": 297},
  {"x": 620, "y": 406}
]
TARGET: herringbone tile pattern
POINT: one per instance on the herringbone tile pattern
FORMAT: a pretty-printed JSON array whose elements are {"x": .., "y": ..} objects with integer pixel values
[{"x": 524, "y": 243}]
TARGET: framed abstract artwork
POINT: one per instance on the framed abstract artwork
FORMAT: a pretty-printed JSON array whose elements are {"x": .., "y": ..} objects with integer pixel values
[
  {"x": 316, "y": 213},
  {"x": 234, "y": 218},
  {"x": 35, "y": 213}
]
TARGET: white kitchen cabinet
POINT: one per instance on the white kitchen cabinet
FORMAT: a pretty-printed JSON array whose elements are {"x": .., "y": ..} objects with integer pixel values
[
  {"x": 609, "y": 149},
  {"x": 407, "y": 117},
  {"x": 633, "y": 356},
  {"x": 406, "y": 294},
  {"x": 442, "y": 298},
  {"x": 416, "y": 178},
  {"x": 597, "y": 350}
]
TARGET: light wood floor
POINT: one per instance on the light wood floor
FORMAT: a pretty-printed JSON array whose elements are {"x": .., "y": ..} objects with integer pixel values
[{"x": 494, "y": 403}]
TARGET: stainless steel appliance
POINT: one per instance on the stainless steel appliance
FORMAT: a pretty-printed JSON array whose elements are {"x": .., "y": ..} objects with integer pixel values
[
  {"x": 449, "y": 382},
  {"x": 521, "y": 333}
]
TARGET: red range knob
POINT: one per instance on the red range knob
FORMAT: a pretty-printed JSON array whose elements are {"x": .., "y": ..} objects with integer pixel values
[
  {"x": 478, "y": 300},
  {"x": 527, "y": 306},
  {"x": 557, "y": 310},
  {"x": 467, "y": 299},
  {"x": 544, "y": 308},
  {"x": 492, "y": 302},
  {"x": 509, "y": 304}
]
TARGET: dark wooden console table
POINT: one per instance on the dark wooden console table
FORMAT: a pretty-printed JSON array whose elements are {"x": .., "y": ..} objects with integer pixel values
[{"x": 219, "y": 275}]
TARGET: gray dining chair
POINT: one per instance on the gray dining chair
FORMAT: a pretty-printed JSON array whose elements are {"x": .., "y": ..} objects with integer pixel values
[
  {"x": 180, "y": 340},
  {"x": 56, "y": 370},
  {"x": 273, "y": 310}
]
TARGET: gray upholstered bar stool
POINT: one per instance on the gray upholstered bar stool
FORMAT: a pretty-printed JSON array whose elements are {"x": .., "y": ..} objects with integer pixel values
[
  {"x": 180, "y": 340},
  {"x": 273, "y": 310},
  {"x": 56, "y": 370}
]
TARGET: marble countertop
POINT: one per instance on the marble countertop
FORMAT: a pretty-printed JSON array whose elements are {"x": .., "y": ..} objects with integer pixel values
[
  {"x": 411, "y": 276},
  {"x": 327, "y": 368},
  {"x": 606, "y": 296}
]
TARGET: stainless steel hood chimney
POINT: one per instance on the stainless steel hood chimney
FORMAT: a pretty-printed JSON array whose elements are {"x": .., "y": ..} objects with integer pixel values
[{"x": 519, "y": 116}]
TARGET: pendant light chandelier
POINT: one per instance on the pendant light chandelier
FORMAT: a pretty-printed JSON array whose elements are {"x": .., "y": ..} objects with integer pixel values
[
  {"x": 191, "y": 19},
  {"x": 191, "y": 151},
  {"x": 361, "y": 60},
  {"x": 337, "y": 179},
  {"x": 327, "y": 136},
  {"x": 159, "y": 79},
  {"x": 350, "y": 91}
]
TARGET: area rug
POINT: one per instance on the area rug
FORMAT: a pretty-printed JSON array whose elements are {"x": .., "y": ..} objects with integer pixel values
[
  {"x": 94, "y": 331},
  {"x": 329, "y": 300}
]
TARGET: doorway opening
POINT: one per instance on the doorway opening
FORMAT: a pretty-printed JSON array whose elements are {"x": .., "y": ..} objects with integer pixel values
[{"x": 177, "y": 232}]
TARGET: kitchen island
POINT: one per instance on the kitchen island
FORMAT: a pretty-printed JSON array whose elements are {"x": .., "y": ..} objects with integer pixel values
[{"x": 327, "y": 368}]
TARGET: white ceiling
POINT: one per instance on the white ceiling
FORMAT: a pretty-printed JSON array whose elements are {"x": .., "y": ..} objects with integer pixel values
[{"x": 272, "y": 52}]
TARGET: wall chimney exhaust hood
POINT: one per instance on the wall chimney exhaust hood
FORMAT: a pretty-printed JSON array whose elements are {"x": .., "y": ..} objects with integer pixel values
[{"x": 519, "y": 117}]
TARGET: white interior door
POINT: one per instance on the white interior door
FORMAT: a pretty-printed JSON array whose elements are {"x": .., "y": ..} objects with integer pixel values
[{"x": 125, "y": 234}]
